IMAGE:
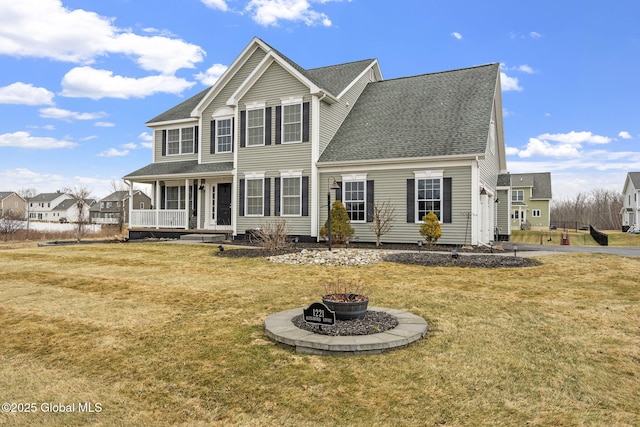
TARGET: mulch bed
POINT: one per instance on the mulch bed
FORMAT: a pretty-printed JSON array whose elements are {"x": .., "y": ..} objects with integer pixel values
[
  {"x": 432, "y": 259},
  {"x": 374, "y": 322}
]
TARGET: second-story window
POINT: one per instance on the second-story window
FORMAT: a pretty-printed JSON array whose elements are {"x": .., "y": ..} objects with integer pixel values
[
  {"x": 255, "y": 127},
  {"x": 224, "y": 136},
  {"x": 180, "y": 141},
  {"x": 292, "y": 123},
  {"x": 517, "y": 195}
]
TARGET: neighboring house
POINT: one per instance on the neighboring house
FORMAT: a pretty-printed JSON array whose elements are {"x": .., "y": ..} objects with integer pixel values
[
  {"x": 268, "y": 140},
  {"x": 631, "y": 201},
  {"x": 41, "y": 207},
  {"x": 529, "y": 202},
  {"x": 111, "y": 208},
  {"x": 11, "y": 202},
  {"x": 67, "y": 210}
]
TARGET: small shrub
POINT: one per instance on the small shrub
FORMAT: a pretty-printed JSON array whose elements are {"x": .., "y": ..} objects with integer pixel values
[
  {"x": 341, "y": 228},
  {"x": 430, "y": 229},
  {"x": 273, "y": 235}
]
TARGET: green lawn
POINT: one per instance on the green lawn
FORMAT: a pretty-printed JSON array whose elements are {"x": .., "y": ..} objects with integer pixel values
[{"x": 162, "y": 334}]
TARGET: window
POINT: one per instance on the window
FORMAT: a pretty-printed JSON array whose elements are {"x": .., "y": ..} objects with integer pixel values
[
  {"x": 292, "y": 196},
  {"x": 517, "y": 195},
  {"x": 536, "y": 213},
  {"x": 428, "y": 197},
  {"x": 255, "y": 127},
  {"x": 180, "y": 141},
  {"x": 515, "y": 214},
  {"x": 175, "y": 197},
  {"x": 224, "y": 136},
  {"x": 141, "y": 205},
  {"x": 292, "y": 123},
  {"x": 354, "y": 200},
  {"x": 254, "y": 197}
]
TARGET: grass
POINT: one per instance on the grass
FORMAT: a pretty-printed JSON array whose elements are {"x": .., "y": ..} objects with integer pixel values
[
  {"x": 576, "y": 238},
  {"x": 162, "y": 334}
]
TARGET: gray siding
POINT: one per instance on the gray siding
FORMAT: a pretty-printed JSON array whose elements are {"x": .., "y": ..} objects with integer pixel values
[
  {"x": 220, "y": 101},
  {"x": 391, "y": 185},
  {"x": 157, "y": 141}
]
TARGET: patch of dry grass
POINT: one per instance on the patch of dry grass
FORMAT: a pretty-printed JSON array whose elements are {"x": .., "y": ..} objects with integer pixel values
[{"x": 162, "y": 334}]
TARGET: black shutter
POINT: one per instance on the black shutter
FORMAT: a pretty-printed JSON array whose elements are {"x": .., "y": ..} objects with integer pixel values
[
  {"x": 196, "y": 142},
  {"x": 278, "y": 124},
  {"x": 163, "y": 196},
  {"x": 267, "y": 197},
  {"x": 241, "y": 197},
  {"x": 277, "y": 197},
  {"x": 411, "y": 206},
  {"x": 164, "y": 142},
  {"x": 305, "y": 122},
  {"x": 339, "y": 191},
  {"x": 305, "y": 196},
  {"x": 267, "y": 126},
  {"x": 243, "y": 128},
  {"x": 446, "y": 200},
  {"x": 212, "y": 143},
  {"x": 370, "y": 201}
]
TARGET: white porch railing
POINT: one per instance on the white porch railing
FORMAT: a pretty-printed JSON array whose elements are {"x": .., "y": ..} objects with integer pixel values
[{"x": 163, "y": 218}]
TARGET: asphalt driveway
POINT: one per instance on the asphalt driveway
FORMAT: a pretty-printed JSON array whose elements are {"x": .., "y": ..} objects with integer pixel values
[{"x": 623, "y": 251}]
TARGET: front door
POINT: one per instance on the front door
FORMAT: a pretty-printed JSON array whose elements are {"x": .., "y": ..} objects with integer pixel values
[{"x": 223, "y": 204}]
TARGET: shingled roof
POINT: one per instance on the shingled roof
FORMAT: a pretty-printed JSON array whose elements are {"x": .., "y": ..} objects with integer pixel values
[
  {"x": 334, "y": 79},
  {"x": 440, "y": 114},
  {"x": 187, "y": 167},
  {"x": 635, "y": 179}
]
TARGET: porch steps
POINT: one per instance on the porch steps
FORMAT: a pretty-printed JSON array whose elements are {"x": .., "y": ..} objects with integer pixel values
[{"x": 205, "y": 238}]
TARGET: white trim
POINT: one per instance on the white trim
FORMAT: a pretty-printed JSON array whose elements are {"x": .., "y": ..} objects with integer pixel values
[
  {"x": 301, "y": 121},
  {"x": 254, "y": 175},
  {"x": 363, "y": 180},
  {"x": 383, "y": 164},
  {"x": 315, "y": 175},
  {"x": 291, "y": 176},
  {"x": 429, "y": 174},
  {"x": 217, "y": 122},
  {"x": 255, "y": 107},
  {"x": 291, "y": 100},
  {"x": 291, "y": 173},
  {"x": 354, "y": 177},
  {"x": 368, "y": 69},
  {"x": 223, "y": 113}
]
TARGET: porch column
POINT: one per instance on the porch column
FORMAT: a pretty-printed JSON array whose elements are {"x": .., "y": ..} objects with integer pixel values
[
  {"x": 130, "y": 207},
  {"x": 157, "y": 204},
  {"x": 186, "y": 203}
]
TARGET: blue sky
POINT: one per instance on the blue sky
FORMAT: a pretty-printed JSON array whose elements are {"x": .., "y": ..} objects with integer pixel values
[{"x": 80, "y": 78}]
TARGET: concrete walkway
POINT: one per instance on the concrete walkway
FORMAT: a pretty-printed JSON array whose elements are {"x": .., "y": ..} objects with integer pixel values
[{"x": 526, "y": 249}]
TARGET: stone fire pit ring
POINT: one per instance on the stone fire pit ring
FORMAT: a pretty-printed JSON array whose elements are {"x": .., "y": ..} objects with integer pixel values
[{"x": 280, "y": 328}]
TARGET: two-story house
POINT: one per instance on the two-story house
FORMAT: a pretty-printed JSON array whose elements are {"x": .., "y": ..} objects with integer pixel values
[
  {"x": 42, "y": 206},
  {"x": 114, "y": 209},
  {"x": 12, "y": 203},
  {"x": 631, "y": 202},
  {"x": 269, "y": 139},
  {"x": 529, "y": 201}
]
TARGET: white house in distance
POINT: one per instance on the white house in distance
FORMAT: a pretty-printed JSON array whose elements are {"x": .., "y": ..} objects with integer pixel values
[
  {"x": 631, "y": 201},
  {"x": 42, "y": 207},
  {"x": 269, "y": 138}
]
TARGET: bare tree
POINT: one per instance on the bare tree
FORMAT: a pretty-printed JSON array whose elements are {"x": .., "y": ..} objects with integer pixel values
[
  {"x": 27, "y": 194},
  {"x": 120, "y": 188},
  {"x": 600, "y": 208},
  {"x": 80, "y": 195},
  {"x": 382, "y": 219},
  {"x": 11, "y": 222}
]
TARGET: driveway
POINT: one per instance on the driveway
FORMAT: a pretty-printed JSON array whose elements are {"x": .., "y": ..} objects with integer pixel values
[{"x": 622, "y": 251}]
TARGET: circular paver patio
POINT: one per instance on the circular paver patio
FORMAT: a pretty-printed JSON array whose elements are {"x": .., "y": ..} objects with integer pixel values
[{"x": 281, "y": 329}]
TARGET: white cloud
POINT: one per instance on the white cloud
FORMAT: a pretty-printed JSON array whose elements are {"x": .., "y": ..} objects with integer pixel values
[
  {"x": 96, "y": 84},
  {"x": 61, "y": 114},
  {"x": 47, "y": 29},
  {"x": 535, "y": 35},
  {"x": 509, "y": 83},
  {"x": 216, "y": 4},
  {"x": 105, "y": 124},
  {"x": 511, "y": 151},
  {"x": 526, "y": 69},
  {"x": 130, "y": 146},
  {"x": 576, "y": 138},
  {"x": 112, "y": 152},
  {"x": 269, "y": 12},
  {"x": 538, "y": 147},
  {"x": 212, "y": 74},
  {"x": 147, "y": 140},
  {"x": 25, "y": 94},
  {"x": 457, "y": 35},
  {"x": 625, "y": 135},
  {"x": 26, "y": 140}
]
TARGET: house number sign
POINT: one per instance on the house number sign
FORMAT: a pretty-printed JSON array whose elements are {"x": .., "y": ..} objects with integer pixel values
[{"x": 319, "y": 314}]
